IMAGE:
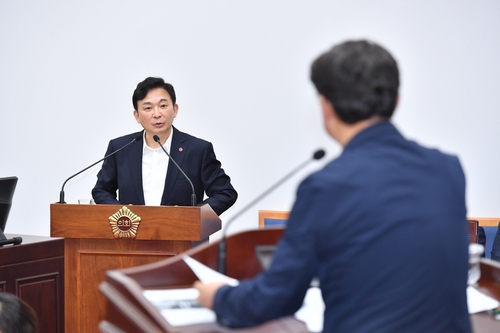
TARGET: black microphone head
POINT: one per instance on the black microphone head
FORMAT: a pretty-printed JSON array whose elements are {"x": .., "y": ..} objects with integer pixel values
[
  {"x": 319, "y": 154},
  {"x": 156, "y": 138},
  {"x": 138, "y": 137}
]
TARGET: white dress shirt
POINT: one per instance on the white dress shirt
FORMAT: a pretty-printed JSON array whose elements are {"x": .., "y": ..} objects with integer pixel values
[{"x": 154, "y": 171}]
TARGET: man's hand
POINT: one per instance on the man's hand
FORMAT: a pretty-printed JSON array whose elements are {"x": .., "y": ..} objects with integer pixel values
[{"x": 207, "y": 292}]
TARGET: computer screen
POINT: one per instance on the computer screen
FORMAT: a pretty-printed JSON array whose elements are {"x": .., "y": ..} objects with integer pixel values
[{"x": 7, "y": 188}]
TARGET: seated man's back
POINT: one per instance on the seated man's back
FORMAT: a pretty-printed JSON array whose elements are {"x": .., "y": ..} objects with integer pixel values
[{"x": 383, "y": 226}]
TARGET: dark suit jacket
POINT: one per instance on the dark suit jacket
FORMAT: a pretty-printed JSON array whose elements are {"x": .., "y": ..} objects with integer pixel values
[
  {"x": 122, "y": 172},
  {"x": 384, "y": 229}
]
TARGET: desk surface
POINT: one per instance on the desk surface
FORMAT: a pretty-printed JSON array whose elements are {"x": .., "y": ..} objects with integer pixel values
[
  {"x": 484, "y": 323},
  {"x": 28, "y": 239},
  {"x": 32, "y": 248}
]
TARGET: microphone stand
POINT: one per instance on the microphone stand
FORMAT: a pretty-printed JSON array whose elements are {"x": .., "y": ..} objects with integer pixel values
[
  {"x": 221, "y": 264},
  {"x": 61, "y": 194},
  {"x": 193, "y": 195}
]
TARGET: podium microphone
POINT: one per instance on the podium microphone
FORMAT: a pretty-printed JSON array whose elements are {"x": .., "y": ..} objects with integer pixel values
[
  {"x": 221, "y": 263},
  {"x": 14, "y": 240},
  {"x": 61, "y": 194},
  {"x": 193, "y": 195}
]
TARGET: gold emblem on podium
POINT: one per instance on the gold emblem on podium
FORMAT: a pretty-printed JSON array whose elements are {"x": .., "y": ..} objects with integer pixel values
[{"x": 124, "y": 223}]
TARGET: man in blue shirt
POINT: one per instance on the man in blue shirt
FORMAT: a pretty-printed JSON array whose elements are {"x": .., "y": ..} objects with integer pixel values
[{"x": 383, "y": 226}]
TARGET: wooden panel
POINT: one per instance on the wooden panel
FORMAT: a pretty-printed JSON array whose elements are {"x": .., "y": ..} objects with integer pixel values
[
  {"x": 87, "y": 261},
  {"x": 71, "y": 285},
  {"x": 91, "y": 248},
  {"x": 242, "y": 262},
  {"x": 272, "y": 214},
  {"x": 473, "y": 225},
  {"x": 486, "y": 221},
  {"x": 34, "y": 271},
  {"x": 130, "y": 311},
  {"x": 42, "y": 293},
  {"x": 157, "y": 222},
  {"x": 489, "y": 283}
]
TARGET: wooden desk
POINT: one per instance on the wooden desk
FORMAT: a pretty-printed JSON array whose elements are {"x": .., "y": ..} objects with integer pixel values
[
  {"x": 489, "y": 284},
  {"x": 129, "y": 311},
  {"x": 34, "y": 271}
]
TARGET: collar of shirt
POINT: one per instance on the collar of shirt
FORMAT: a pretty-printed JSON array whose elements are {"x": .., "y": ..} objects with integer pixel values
[{"x": 154, "y": 171}]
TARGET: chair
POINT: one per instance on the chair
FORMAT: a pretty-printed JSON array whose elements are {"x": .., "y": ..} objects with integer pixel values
[
  {"x": 269, "y": 218},
  {"x": 490, "y": 227},
  {"x": 473, "y": 225}
]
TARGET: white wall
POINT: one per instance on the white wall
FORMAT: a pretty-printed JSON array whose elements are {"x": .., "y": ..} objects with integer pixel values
[{"x": 240, "y": 69}]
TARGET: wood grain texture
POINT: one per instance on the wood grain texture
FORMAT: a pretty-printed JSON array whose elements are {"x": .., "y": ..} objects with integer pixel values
[
  {"x": 129, "y": 311},
  {"x": 91, "y": 249},
  {"x": 34, "y": 271},
  {"x": 157, "y": 223}
]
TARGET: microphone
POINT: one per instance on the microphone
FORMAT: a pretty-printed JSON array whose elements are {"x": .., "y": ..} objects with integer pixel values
[
  {"x": 5, "y": 241},
  {"x": 61, "y": 194},
  {"x": 221, "y": 264},
  {"x": 193, "y": 196}
]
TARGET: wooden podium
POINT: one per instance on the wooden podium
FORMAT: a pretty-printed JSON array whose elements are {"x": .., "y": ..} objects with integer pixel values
[
  {"x": 128, "y": 310},
  {"x": 98, "y": 238}
]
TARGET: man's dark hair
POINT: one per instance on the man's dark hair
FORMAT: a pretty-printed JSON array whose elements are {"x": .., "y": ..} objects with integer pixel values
[
  {"x": 15, "y": 315},
  {"x": 148, "y": 84},
  {"x": 359, "y": 78}
]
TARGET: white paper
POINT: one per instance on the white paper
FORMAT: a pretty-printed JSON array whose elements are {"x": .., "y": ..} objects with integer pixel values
[
  {"x": 477, "y": 301},
  {"x": 205, "y": 274},
  {"x": 180, "y": 306},
  {"x": 311, "y": 312}
]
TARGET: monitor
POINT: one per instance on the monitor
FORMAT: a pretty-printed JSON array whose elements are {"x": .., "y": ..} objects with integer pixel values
[
  {"x": 265, "y": 255},
  {"x": 7, "y": 188}
]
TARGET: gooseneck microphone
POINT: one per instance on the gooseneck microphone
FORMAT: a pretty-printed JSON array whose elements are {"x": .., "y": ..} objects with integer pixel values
[
  {"x": 14, "y": 240},
  {"x": 61, "y": 194},
  {"x": 221, "y": 264},
  {"x": 193, "y": 195}
]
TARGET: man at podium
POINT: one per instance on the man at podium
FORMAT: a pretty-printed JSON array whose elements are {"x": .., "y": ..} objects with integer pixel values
[
  {"x": 383, "y": 226},
  {"x": 143, "y": 173}
]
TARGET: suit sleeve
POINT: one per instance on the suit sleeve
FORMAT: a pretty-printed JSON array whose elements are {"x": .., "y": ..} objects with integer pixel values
[
  {"x": 221, "y": 194},
  {"x": 104, "y": 191}
]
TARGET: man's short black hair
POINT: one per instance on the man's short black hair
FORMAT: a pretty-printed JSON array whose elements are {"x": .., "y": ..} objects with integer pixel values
[
  {"x": 148, "y": 84},
  {"x": 15, "y": 315},
  {"x": 359, "y": 78}
]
